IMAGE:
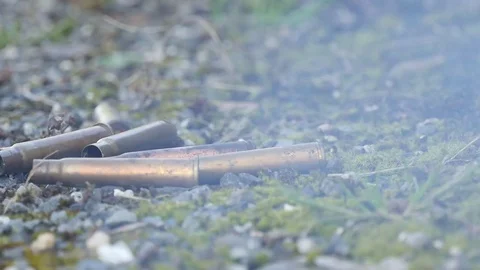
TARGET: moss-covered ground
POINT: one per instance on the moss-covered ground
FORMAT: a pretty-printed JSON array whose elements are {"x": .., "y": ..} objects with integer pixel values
[{"x": 389, "y": 88}]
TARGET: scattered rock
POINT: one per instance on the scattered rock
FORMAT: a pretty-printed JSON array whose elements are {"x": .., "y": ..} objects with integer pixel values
[
  {"x": 284, "y": 265},
  {"x": 77, "y": 196},
  {"x": 392, "y": 263},
  {"x": 241, "y": 180},
  {"x": 97, "y": 240},
  {"x": 91, "y": 264},
  {"x": 146, "y": 251},
  {"x": 116, "y": 254},
  {"x": 44, "y": 241},
  {"x": 338, "y": 246},
  {"x": 305, "y": 245},
  {"x": 238, "y": 253},
  {"x": 428, "y": 127},
  {"x": 55, "y": 203},
  {"x": 17, "y": 208},
  {"x": 58, "y": 217},
  {"x": 156, "y": 222},
  {"x": 333, "y": 263},
  {"x": 415, "y": 240},
  {"x": 200, "y": 193},
  {"x": 66, "y": 51},
  {"x": 121, "y": 217}
]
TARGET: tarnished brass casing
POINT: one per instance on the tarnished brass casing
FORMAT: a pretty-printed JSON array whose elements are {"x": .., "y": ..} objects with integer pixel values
[
  {"x": 19, "y": 157},
  {"x": 155, "y": 135},
  {"x": 192, "y": 151},
  {"x": 104, "y": 112},
  {"x": 189, "y": 172},
  {"x": 119, "y": 172},
  {"x": 301, "y": 157}
]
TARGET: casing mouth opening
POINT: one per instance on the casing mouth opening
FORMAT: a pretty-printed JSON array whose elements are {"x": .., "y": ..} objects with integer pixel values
[{"x": 92, "y": 151}]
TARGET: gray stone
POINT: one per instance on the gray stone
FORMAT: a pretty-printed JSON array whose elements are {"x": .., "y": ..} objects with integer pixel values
[
  {"x": 200, "y": 193},
  {"x": 284, "y": 265},
  {"x": 241, "y": 180},
  {"x": 333, "y": 263},
  {"x": 58, "y": 217},
  {"x": 164, "y": 238},
  {"x": 230, "y": 180},
  {"x": 18, "y": 208},
  {"x": 156, "y": 222},
  {"x": 414, "y": 239},
  {"x": 427, "y": 127},
  {"x": 392, "y": 263},
  {"x": 91, "y": 264},
  {"x": 55, "y": 203},
  {"x": 121, "y": 217},
  {"x": 305, "y": 245}
]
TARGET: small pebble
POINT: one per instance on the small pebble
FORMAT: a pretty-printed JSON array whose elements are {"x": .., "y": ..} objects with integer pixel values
[
  {"x": 97, "y": 239},
  {"x": 238, "y": 253},
  {"x": 121, "y": 217},
  {"x": 4, "y": 220},
  {"x": 415, "y": 239},
  {"x": 392, "y": 263},
  {"x": 305, "y": 245},
  {"x": 333, "y": 263},
  {"x": 118, "y": 253},
  {"x": 154, "y": 221},
  {"x": 330, "y": 138},
  {"x": 58, "y": 217},
  {"x": 77, "y": 196},
  {"x": 90, "y": 264},
  {"x": 44, "y": 241}
]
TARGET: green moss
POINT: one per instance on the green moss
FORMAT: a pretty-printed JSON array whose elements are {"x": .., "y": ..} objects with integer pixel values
[
  {"x": 427, "y": 260},
  {"x": 221, "y": 196},
  {"x": 165, "y": 210},
  {"x": 9, "y": 35},
  {"x": 60, "y": 31},
  {"x": 163, "y": 267},
  {"x": 368, "y": 162},
  {"x": 373, "y": 245}
]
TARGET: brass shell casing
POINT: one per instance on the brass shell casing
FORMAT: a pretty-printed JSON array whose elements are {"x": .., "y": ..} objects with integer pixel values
[
  {"x": 104, "y": 112},
  {"x": 192, "y": 151},
  {"x": 301, "y": 157},
  {"x": 120, "y": 172},
  {"x": 155, "y": 135},
  {"x": 198, "y": 170},
  {"x": 19, "y": 157}
]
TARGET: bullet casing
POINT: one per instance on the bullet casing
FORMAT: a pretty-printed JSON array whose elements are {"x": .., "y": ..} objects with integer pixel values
[
  {"x": 155, "y": 135},
  {"x": 301, "y": 157},
  {"x": 191, "y": 151},
  {"x": 119, "y": 172},
  {"x": 19, "y": 157},
  {"x": 175, "y": 172},
  {"x": 104, "y": 112}
]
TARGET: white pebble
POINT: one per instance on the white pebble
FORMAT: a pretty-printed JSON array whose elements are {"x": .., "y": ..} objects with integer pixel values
[
  {"x": 98, "y": 239},
  {"x": 44, "y": 241},
  {"x": 118, "y": 253},
  {"x": 77, "y": 196},
  {"x": 4, "y": 220},
  {"x": 305, "y": 245}
]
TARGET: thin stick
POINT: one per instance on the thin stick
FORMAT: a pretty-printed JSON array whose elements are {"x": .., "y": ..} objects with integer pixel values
[
  {"x": 463, "y": 149},
  {"x": 131, "y": 28}
]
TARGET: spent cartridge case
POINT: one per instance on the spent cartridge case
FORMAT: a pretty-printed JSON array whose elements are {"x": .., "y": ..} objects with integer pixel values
[
  {"x": 191, "y": 151},
  {"x": 155, "y": 135},
  {"x": 104, "y": 112},
  {"x": 19, "y": 157},
  {"x": 175, "y": 172}
]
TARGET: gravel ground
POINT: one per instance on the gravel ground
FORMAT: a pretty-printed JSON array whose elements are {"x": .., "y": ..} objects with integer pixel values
[{"x": 388, "y": 87}]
